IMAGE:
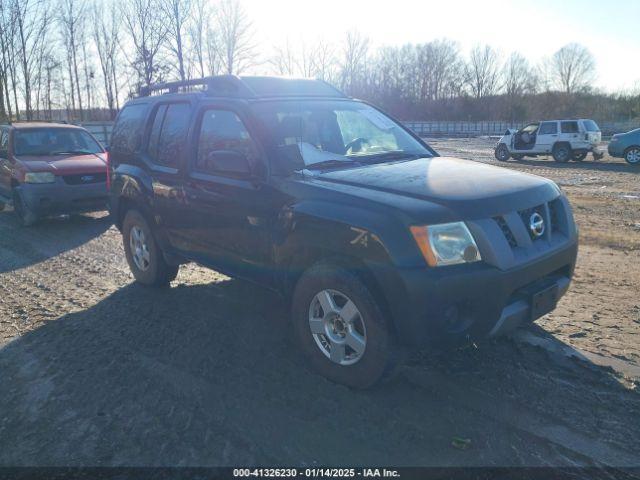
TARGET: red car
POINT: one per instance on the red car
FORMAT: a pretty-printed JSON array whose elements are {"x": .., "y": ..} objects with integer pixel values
[{"x": 50, "y": 169}]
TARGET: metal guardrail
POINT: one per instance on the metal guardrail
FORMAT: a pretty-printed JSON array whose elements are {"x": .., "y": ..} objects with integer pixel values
[
  {"x": 461, "y": 129},
  {"x": 479, "y": 129}
]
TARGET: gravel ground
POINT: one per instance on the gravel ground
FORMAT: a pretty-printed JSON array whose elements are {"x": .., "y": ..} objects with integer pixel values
[{"x": 99, "y": 371}]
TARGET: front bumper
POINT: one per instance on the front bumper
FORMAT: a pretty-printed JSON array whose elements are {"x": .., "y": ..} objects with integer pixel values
[
  {"x": 464, "y": 303},
  {"x": 615, "y": 149},
  {"x": 60, "y": 198}
]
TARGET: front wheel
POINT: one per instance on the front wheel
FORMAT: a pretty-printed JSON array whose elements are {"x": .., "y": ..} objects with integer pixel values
[
  {"x": 25, "y": 215},
  {"x": 502, "y": 153},
  {"x": 562, "y": 153},
  {"x": 144, "y": 257},
  {"x": 340, "y": 328},
  {"x": 632, "y": 156}
]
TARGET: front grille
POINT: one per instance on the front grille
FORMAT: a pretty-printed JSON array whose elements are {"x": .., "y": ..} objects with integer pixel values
[
  {"x": 525, "y": 215},
  {"x": 508, "y": 234},
  {"x": 85, "y": 179},
  {"x": 554, "y": 215}
]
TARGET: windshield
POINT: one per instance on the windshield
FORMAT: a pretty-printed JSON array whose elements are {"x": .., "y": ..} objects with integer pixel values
[
  {"x": 591, "y": 126},
  {"x": 54, "y": 141},
  {"x": 334, "y": 131}
]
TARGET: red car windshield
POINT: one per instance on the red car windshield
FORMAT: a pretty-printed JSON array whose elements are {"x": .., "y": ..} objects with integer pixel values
[{"x": 54, "y": 141}]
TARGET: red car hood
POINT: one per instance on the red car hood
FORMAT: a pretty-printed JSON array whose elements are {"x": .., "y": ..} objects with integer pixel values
[{"x": 65, "y": 164}]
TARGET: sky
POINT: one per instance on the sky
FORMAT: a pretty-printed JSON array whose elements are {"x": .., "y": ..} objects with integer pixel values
[{"x": 610, "y": 29}]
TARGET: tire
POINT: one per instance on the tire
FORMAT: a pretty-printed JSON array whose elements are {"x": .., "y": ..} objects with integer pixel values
[
  {"x": 144, "y": 257},
  {"x": 502, "y": 153},
  {"x": 25, "y": 215},
  {"x": 562, "y": 153},
  {"x": 364, "y": 326},
  {"x": 632, "y": 155},
  {"x": 516, "y": 156},
  {"x": 579, "y": 156}
]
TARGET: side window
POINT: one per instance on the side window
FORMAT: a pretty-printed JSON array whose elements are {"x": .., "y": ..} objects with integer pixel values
[
  {"x": 4, "y": 143},
  {"x": 569, "y": 127},
  {"x": 548, "y": 128},
  {"x": 221, "y": 132},
  {"x": 127, "y": 132},
  {"x": 168, "y": 137}
]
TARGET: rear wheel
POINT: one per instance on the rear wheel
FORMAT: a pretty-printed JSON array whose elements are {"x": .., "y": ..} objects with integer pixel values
[
  {"x": 144, "y": 257},
  {"x": 340, "y": 327},
  {"x": 632, "y": 156},
  {"x": 26, "y": 217},
  {"x": 502, "y": 153},
  {"x": 579, "y": 156},
  {"x": 562, "y": 153}
]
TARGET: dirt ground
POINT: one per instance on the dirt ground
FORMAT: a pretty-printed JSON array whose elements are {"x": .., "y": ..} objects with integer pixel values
[{"x": 96, "y": 370}]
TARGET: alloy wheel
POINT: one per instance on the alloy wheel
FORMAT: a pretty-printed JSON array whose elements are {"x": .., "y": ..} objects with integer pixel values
[
  {"x": 337, "y": 327},
  {"x": 633, "y": 156},
  {"x": 139, "y": 248}
]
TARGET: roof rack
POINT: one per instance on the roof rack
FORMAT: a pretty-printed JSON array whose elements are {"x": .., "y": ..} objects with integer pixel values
[
  {"x": 248, "y": 87},
  {"x": 219, "y": 85}
]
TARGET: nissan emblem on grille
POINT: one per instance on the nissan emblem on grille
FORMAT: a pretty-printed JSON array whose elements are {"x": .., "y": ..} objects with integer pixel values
[{"x": 536, "y": 225}]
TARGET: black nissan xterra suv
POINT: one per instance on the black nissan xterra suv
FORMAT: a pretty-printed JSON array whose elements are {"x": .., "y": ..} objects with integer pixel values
[{"x": 378, "y": 243}]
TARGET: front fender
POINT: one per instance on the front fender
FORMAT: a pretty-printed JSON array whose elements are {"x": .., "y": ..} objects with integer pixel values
[{"x": 366, "y": 234}]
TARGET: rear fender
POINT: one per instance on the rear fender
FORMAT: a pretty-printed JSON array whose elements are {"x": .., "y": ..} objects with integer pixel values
[{"x": 132, "y": 187}]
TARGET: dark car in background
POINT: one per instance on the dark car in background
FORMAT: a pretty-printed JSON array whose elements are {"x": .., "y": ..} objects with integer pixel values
[
  {"x": 377, "y": 242},
  {"x": 50, "y": 169},
  {"x": 627, "y": 146}
]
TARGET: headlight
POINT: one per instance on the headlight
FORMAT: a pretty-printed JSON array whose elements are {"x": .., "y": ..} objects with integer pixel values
[
  {"x": 446, "y": 244},
  {"x": 39, "y": 177}
]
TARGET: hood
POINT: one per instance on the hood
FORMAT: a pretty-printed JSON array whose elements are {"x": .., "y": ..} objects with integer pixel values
[
  {"x": 469, "y": 188},
  {"x": 65, "y": 164}
]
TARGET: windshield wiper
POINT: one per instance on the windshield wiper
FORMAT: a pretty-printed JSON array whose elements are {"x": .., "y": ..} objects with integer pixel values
[
  {"x": 395, "y": 155},
  {"x": 74, "y": 152},
  {"x": 331, "y": 163}
]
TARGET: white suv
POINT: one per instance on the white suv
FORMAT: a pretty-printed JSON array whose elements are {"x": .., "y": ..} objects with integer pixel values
[{"x": 564, "y": 139}]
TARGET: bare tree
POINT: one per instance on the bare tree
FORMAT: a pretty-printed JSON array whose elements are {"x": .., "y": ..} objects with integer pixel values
[
  {"x": 198, "y": 33},
  {"x": 178, "y": 13},
  {"x": 284, "y": 60},
  {"x": 483, "y": 71},
  {"x": 71, "y": 18},
  {"x": 238, "y": 51},
  {"x": 354, "y": 60},
  {"x": 519, "y": 77},
  {"x": 148, "y": 31},
  {"x": 32, "y": 21},
  {"x": 572, "y": 68},
  {"x": 106, "y": 36},
  {"x": 323, "y": 59}
]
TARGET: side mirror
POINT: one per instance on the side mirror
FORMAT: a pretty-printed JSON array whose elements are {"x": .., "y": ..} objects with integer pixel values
[
  {"x": 230, "y": 162},
  {"x": 287, "y": 159},
  {"x": 106, "y": 148}
]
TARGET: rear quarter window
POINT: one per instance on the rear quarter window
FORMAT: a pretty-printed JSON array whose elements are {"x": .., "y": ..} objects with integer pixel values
[
  {"x": 591, "y": 126},
  {"x": 569, "y": 127},
  {"x": 127, "y": 132}
]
